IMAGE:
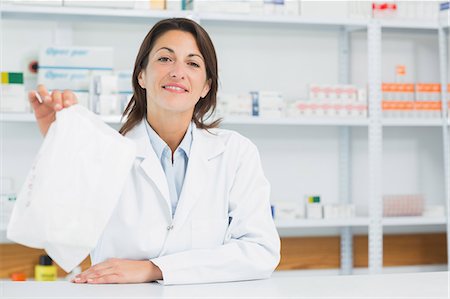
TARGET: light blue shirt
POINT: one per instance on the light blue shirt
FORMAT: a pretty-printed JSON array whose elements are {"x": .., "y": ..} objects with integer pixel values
[{"x": 176, "y": 171}]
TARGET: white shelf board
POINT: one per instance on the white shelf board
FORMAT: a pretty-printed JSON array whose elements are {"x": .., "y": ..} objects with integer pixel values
[
  {"x": 409, "y": 24},
  {"x": 411, "y": 122},
  {"x": 306, "y": 121},
  {"x": 282, "y": 19},
  {"x": 16, "y": 117},
  {"x": 413, "y": 220},
  {"x": 303, "y": 223},
  {"x": 29, "y": 118},
  {"x": 312, "y": 121},
  {"x": 359, "y": 221},
  {"x": 19, "y": 11},
  {"x": 10, "y": 11}
]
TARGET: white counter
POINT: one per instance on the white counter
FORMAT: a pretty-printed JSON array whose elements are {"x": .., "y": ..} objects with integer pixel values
[{"x": 418, "y": 285}]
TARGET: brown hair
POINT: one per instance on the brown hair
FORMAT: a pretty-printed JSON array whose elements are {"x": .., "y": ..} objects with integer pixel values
[{"x": 137, "y": 107}]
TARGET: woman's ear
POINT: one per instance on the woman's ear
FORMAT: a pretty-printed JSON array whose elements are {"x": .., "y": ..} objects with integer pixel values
[
  {"x": 141, "y": 79},
  {"x": 206, "y": 88}
]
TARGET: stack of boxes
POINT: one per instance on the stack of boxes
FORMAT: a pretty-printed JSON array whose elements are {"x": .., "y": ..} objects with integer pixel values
[
  {"x": 331, "y": 101},
  {"x": 13, "y": 94},
  {"x": 73, "y": 68},
  {"x": 395, "y": 10},
  {"x": 399, "y": 10},
  {"x": 312, "y": 208},
  {"x": 403, "y": 205},
  {"x": 110, "y": 94},
  {"x": 428, "y": 100},
  {"x": 267, "y": 104},
  {"x": 398, "y": 100},
  {"x": 407, "y": 100}
]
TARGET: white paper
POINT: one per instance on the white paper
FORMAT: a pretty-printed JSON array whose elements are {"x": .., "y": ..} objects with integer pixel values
[{"x": 72, "y": 187}]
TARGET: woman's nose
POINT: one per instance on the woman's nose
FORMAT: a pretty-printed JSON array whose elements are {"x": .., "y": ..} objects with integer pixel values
[{"x": 177, "y": 71}]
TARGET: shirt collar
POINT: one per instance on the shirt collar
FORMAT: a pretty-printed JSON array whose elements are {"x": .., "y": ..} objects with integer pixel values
[{"x": 160, "y": 146}]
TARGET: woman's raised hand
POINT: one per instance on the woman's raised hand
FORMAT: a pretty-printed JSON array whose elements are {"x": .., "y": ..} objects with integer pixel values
[{"x": 45, "y": 112}]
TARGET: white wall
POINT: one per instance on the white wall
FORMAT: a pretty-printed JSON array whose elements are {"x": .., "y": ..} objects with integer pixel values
[{"x": 297, "y": 160}]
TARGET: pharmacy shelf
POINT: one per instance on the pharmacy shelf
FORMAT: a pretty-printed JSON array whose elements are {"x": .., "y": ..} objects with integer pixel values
[
  {"x": 282, "y": 19},
  {"x": 60, "y": 13},
  {"x": 359, "y": 221},
  {"x": 409, "y": 24},
  {"x": 29, "y": 118},
  {"x": 17, "y": 117},
  {"x": 338, "y": 222},
  {"x": 412, "y": 122},
  {"x": 419, "y": 220},
  {"x": 305, "y": 121}
]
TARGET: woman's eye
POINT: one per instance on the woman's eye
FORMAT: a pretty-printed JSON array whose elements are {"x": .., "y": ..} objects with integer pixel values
[
  {"x": 194, "y": 64},
  {"x": 164, "y": 59}
]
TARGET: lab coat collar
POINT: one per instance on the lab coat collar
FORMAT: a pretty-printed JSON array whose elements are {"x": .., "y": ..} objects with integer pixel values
[
  {"x": 209, "y": 147},
  {"x": 205, "y": 147},
  {"x": 150, "y": 164}
]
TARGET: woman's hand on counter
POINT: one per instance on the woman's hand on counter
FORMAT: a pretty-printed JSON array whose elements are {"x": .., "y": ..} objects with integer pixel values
[{"x": 120, "y": 271}]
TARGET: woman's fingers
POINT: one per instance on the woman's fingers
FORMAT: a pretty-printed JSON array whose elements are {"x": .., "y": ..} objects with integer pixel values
[
  {"x": 33, "y": 99},
  {"x": 56, "y": 98},
  {"x": 111, "y": 278},
  {"x": 42, "y": 91},
  {"x": 95, "y": 271},
  {"x": 68, "y": 98}
]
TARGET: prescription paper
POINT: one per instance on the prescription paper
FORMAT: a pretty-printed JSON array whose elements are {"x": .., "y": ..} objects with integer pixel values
[{"x": 72, "y": 188}]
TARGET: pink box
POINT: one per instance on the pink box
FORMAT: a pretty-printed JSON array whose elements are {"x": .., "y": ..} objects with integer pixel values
[{"x": 403, "y": 205}]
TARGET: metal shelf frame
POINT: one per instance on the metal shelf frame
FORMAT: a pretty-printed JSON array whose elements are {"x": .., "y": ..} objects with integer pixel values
[
  {"x": 375, "y": 149},
  {"x": 345, "y": 167},
  {"x": 443, "y": 71}
]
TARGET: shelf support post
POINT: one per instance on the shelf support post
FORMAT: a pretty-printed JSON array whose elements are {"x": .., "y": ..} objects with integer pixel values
[
  {"x": 345, "y": 155},
  {"x": 443, "y": 69},
  {"x": 375, "y": 148}
]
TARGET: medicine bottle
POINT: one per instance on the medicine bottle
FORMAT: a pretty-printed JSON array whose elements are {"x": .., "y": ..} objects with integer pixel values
[{"x": 45, "y": 271}]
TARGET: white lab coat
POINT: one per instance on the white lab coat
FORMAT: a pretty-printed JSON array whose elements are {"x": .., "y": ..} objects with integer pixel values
[{"x": 222, "y": 229}]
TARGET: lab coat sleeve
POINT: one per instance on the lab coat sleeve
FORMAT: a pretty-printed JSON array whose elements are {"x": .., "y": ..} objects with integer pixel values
[{"x": 251, "y": 249}]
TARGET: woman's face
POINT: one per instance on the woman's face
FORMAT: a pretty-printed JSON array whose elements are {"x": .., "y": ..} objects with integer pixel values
[{"x": 175, "y": 76}]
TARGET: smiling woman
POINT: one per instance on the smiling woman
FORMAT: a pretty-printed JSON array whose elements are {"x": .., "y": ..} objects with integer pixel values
[
  {"x": 180, "y": 36},
  {"x": 195, "y": 207}
]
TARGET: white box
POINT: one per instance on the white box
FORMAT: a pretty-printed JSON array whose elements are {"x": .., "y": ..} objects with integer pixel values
[
  {"x": 314, "y": 210},
  {"x": 292, "y": 7},
  {"x": 91, "y": 58},
  {"x": 257, "y": 7},
  {"x": 288, "y": 210},
  {"x": 72, "y": 67},
  {"x": 321, "y": 9},
  {"x": 35, "y": 2},
  {"x": 109, "y": 104},
  {"x": 105, "y": 4},
  {"x": 14, "y": 98},
  {"x": 61, "y": 79},
  {"x": 174, "y": 5},
  {"x": 83, "y": 98}
]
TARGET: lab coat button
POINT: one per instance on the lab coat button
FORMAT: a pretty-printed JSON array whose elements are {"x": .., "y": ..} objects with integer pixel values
[{"x": 170, "y": 227}]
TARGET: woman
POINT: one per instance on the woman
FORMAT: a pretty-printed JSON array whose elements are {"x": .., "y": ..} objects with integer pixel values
[{"x": 195, "y": 207}]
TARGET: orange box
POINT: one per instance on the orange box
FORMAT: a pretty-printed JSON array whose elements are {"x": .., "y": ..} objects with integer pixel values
[
  {"x": 428, "y": 106},
  {"x": 398, "y": 105},
  {"x": 435, "y": 87}
]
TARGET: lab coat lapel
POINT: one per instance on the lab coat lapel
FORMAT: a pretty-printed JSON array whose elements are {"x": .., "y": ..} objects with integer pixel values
[
  {"x": 150, "y": 163},
  {"x": 205, "y": 146}
]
